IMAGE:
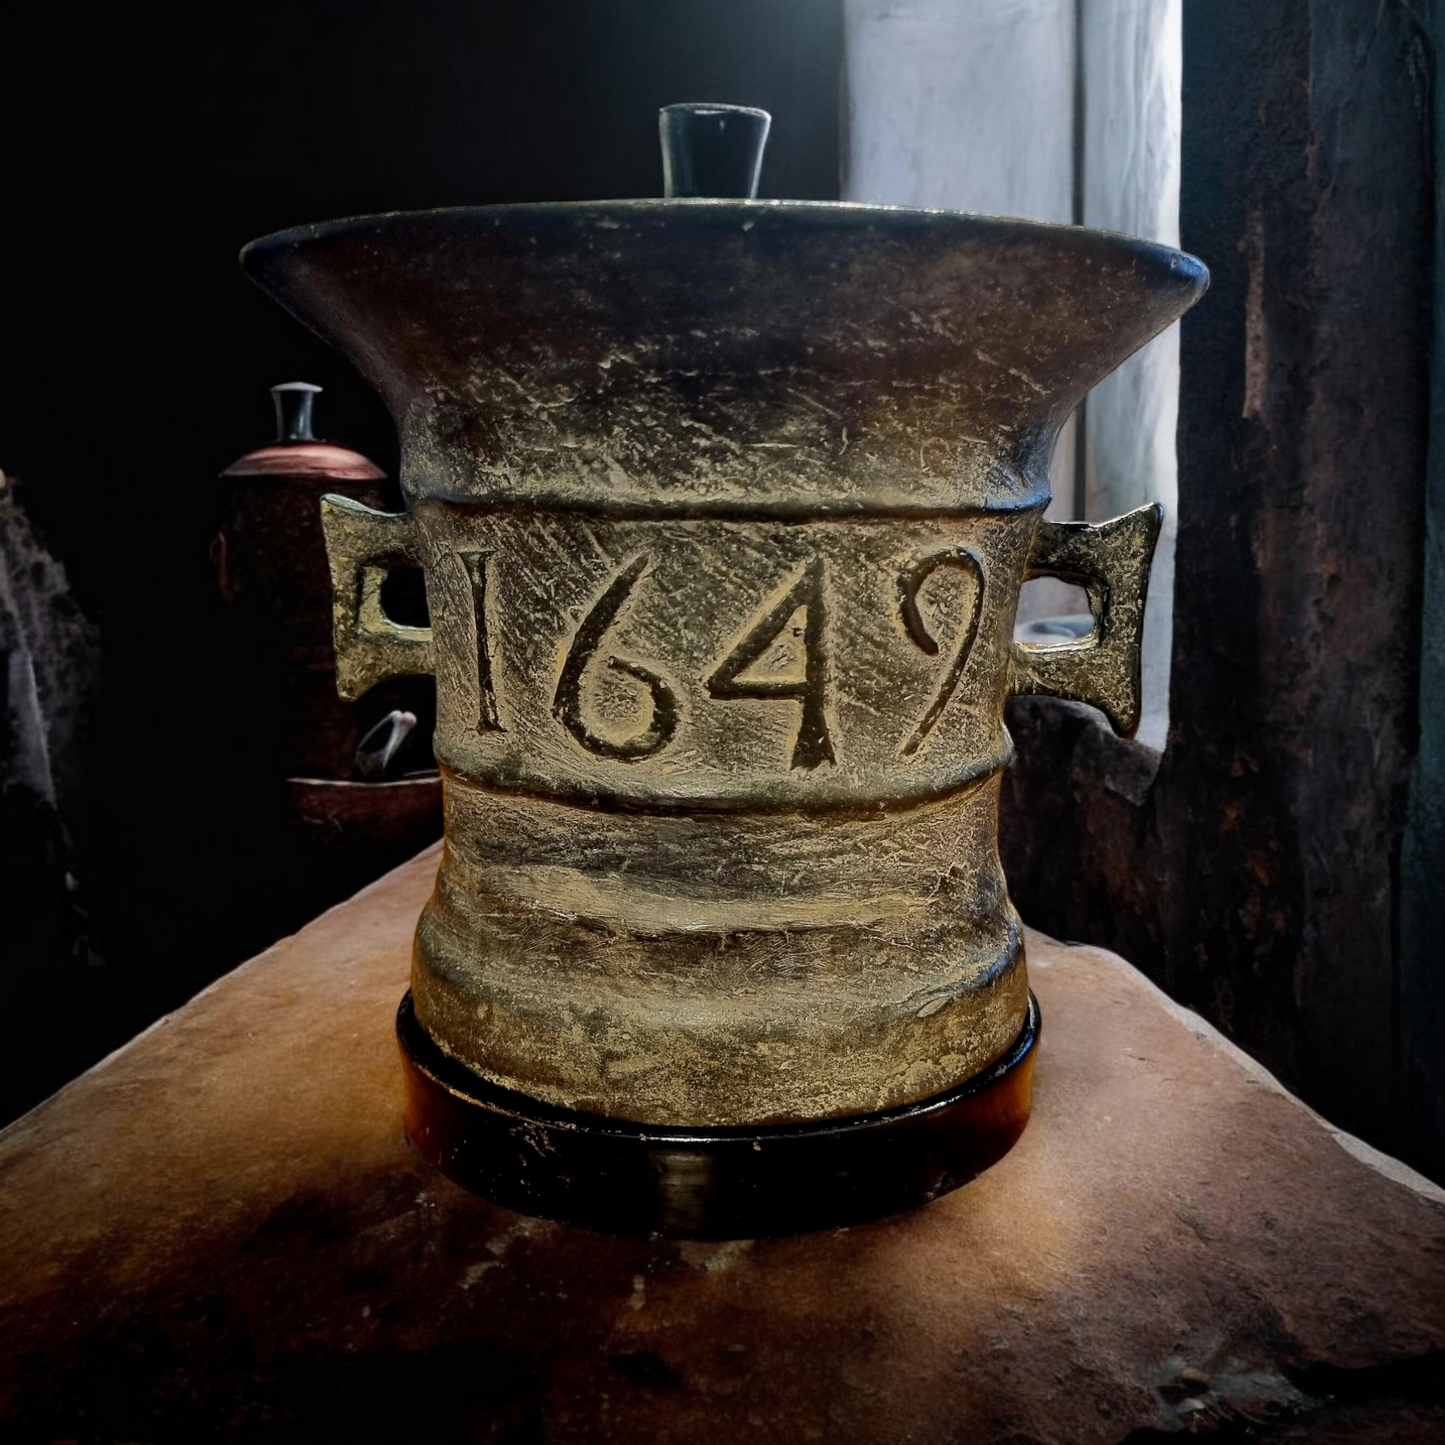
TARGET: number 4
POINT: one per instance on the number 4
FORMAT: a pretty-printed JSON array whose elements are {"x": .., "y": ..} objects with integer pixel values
[{"x": 813, "y": 745}]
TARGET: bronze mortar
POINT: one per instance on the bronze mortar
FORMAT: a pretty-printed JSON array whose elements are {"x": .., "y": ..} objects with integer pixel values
[{"x": 724, "y": 507}]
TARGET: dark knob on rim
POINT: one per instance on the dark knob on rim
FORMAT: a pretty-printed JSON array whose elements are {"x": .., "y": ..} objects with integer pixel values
[
  {"x": 294, "y": 401},
  {"x": 712, "y": 150}
]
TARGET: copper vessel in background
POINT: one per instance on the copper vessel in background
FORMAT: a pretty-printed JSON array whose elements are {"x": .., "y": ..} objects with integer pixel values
[
  {"x": 270, "y": 559},
  {"x": 270, "y": 567}
]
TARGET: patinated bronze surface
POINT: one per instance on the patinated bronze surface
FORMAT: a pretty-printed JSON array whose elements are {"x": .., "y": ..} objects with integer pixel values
[{"x": 724, "y": 508}]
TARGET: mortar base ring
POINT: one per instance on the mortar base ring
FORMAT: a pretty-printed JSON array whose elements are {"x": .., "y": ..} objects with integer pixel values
[{"x": 676, "y": 1182}]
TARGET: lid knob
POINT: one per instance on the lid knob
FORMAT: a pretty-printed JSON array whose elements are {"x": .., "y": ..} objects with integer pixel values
[
  {"x": 293, "y": 401},
  {"x": 712, "y": 150}
]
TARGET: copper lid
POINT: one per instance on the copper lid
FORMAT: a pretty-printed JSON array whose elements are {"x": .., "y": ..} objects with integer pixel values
[{"x": 296, "y": 452}]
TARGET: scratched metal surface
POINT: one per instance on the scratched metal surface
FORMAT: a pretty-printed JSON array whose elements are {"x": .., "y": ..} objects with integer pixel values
[{"x": 724, "y": 508}]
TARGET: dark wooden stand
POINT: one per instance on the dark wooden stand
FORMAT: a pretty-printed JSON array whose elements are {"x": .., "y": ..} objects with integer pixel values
[{"x": 743, "y": 1183}]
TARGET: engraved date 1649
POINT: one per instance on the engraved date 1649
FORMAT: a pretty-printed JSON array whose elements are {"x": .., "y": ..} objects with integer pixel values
[{"x": 805, "y": 592}]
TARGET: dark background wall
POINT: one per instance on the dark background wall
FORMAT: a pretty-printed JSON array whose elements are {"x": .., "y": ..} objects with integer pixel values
[
  {"x": 1422, "y": 856},
  {"x": 143, "y": 146},
  {"x": 1280, "y": 869}
]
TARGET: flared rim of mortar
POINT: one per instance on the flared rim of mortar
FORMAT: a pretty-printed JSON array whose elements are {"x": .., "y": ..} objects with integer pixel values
[
  {"x": 847, "y": 333},
  {"x": 1181, "y": 264}
]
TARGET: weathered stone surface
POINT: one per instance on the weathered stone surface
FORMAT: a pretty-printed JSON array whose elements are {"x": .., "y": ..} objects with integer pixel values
[{"x": 221, "y": 1230}]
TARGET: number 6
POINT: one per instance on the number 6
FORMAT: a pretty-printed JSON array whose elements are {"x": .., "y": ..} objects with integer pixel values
[{"x": 567, "y": 705}]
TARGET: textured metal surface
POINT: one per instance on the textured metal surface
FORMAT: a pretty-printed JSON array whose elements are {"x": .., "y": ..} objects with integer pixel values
[
  {"x": 362, "y": 546},
  {"x": 1111, "y": 563},
  {"x": 724, "y": 508}
]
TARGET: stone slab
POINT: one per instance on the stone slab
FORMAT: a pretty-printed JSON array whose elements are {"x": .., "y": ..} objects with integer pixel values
[{"x": 221, "y": 1231}]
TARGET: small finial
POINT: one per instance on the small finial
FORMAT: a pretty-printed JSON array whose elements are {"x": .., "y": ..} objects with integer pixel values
[
  {"x": 712, "y": 150},
  {"x": 293, "y": 401}
]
